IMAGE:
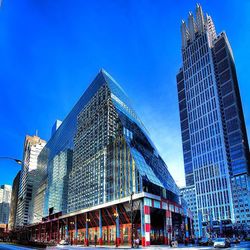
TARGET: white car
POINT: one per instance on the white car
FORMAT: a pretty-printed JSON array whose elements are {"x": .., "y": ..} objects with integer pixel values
[
  {"x": 222, "y": 242},
  {"x": 63, "y": 243}
]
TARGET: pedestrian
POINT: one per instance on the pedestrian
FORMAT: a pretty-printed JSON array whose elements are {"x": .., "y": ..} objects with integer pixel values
[
  {"x": 186, "y": 241},
  {"x": 95, "y": 240},
  {"x": 137, "y": 242}
]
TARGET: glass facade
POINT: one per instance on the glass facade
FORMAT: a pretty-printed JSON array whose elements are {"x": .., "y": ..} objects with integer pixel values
[
  {"x": 215, "y": 146},
  {"x": 13, "y": 203},
  {"x": 56, "y": 157},
  {"x": 5, "y": 199},
  {"x": 234, "y": 124},
  {"x": 234, "y": 129},
  {"x": 189, "y": 196},
  {"x": 113, "y": 155},
  {"x": 101, "y": 152}
]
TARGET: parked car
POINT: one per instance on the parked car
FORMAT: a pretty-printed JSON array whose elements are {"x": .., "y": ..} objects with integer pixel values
[
  {"x": 63, "y": 243},
  {"x": 235, "y": 240},
  {"x": 222, "y": 242},
  {"x": 204, "y": 241}
]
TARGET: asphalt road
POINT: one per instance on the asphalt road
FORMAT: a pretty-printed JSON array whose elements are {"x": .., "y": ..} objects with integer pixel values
[
  {"x": 13, "y": 247},
  {"x": 241, "y": 246}
]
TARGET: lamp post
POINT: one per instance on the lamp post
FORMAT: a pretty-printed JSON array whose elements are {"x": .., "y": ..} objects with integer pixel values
[
  {"x": 131, "y": 218},
  {"x": 87, "y": 229},
  {"x": 71, "y": 223},
  {"x": 11, "y": 158},
  {"x": 208, "y": 223}
]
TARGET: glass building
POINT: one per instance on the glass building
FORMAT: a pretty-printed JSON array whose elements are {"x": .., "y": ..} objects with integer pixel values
[
  {"x": 101, "y": 176},
  {"x": 28, "y": 178},
  {"x": 215, "y": 145},
  {"x": 113, "y": 155},
  {"x": 189, "y": 196},
  {"x": 13, "y": 202},
  {"x": 5, "y": 200}
]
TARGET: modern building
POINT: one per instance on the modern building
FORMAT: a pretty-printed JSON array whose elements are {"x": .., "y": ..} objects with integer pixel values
[
  {"x": 29, "y": 175},
  {"x": 5, "y": 197},
  {"x": 104, "y": 178},
  {"x": 188, "y": 194},
  {"x": 13, "y": 203},
  {"x": 215, "y": 145}
]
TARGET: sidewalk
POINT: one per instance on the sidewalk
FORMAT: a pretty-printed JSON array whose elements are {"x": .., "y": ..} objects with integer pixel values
[
  {"x": 141, "y": 247},
  {"x": 152, "y": 247}
]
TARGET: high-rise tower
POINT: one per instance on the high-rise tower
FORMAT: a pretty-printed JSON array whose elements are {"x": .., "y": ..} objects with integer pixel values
[
  {"x": 5, "y": 197},
  {"x": 13, "y": 203},
  {"x": 32, "y": 147},
  {"x": 215, "y": 145}
]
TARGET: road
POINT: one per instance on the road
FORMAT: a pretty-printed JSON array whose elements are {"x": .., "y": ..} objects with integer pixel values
[
  {"x": 241, "y": 246},
  {"x": 6, "y": 246}
]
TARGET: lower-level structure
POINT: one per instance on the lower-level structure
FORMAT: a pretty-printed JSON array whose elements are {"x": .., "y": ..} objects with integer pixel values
[{"x": 142, "y": 216}]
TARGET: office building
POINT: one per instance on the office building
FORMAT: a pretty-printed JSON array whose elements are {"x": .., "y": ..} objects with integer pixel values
[
  {"x": 105, "y": 179},
  {"x": 13, "y": 203},
  {"x": 5, "y": 197},
  {"x": 215, "y": 145},
  {"x": 29, "y": 175},
  {"x": 188, "y": 194}
]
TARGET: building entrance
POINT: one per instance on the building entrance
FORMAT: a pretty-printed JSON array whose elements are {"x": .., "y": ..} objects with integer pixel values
[
  {"x": 178, "y": 227},
  {"x": 157, "y": 226}
]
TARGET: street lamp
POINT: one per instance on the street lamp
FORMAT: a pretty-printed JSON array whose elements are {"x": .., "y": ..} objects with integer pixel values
[
  {"x": 71, "y": 235},
  {"x": 10, "y": 158},
  {"x": 87, "y": 230},
  {"x": 131, "y": 218}
]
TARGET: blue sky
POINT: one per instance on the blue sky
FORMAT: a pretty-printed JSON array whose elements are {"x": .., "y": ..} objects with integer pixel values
[{"x": 51, "y": 50}]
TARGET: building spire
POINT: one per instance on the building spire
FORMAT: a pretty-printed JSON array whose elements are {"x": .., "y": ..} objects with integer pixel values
[
  {"x": 199, "y": 18},
  {"x": 191, "y": 25},
  {"x": 210, "y": 27},
  {"x": 184, "y": 34}
]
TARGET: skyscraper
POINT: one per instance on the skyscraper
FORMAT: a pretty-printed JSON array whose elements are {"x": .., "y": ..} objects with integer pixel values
[
  {"x": 215, "y": 145},
  {"x": 13, "y": 203},
  {"x": 32, "y": 147},
  {"x": 5, "y": 197},
  {"x": 104, "y": 178}
]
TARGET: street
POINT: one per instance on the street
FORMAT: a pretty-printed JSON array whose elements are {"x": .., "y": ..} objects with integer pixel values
[
  {"x": 241, "y": 246},
  {"x": 13, "y": 247}
]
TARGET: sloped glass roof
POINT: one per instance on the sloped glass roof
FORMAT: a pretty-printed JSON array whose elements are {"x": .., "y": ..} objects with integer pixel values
[{"x": 149, "y": 163}]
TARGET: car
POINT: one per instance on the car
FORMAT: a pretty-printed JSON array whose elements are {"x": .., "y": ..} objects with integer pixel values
[
  {"x": 204, "y": 241},
  {"x": 235, "y": 240},
  {"x": 63, "y": 243},
  {"x": 222, "y": 242}
]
